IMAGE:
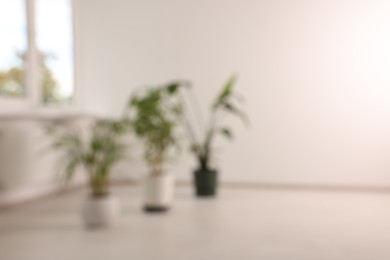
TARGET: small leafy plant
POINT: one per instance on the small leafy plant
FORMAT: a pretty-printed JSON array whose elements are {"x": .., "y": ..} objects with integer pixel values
[
  {"x": 223, "y": 105},
  {"x": 154, "y": 117},
  {"x": 97, "y": 153}
]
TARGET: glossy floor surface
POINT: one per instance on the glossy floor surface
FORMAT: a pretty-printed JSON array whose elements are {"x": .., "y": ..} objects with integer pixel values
[{"x": 239, "y": 224}]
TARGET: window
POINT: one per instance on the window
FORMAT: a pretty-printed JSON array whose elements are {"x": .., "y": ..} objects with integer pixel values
[
  {"x": 13, "y": 48},
  {"x": 36, "y": 51}
]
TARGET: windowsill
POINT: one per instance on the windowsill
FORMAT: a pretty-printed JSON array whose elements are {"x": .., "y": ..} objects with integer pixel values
[
  {"x": 43, "y": 116},
  {"x": 22, "y": 110}
]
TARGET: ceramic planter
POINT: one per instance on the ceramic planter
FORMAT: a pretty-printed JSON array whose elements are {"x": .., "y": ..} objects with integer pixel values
[
  {"x": 205, "y": 182},
  {"x": 99, "y": 212},
  {"x": 158, "y": 193}
]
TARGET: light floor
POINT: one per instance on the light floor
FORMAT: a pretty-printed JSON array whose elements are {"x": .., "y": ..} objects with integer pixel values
[{"x": 239, "y": 224}]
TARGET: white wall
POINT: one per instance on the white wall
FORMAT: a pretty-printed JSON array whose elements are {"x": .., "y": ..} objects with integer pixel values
[
  {"x": 315, "y": 73},
  {"x": 28, "y": 168}
]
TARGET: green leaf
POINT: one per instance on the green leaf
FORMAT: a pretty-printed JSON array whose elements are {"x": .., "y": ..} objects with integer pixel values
[
  {"x": 226, "y": 132},
  {"x": 229, "y": 107},
  {"x": 132, "y": 101},
  {"x": 225, "y": 93},
  {"x": 172, "y": 88}
]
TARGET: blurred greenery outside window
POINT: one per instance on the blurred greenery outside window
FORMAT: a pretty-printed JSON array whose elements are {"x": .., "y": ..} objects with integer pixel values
[{"x": 47, "y": 63}]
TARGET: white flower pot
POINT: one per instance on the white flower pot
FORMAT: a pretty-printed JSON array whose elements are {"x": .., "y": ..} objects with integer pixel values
[
  {"x": 158, "y": 193},
  {"x": 100, "y": 212}
]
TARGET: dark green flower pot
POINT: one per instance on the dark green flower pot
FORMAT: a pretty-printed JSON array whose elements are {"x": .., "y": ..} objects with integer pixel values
[{"x": 205, "y": 182}]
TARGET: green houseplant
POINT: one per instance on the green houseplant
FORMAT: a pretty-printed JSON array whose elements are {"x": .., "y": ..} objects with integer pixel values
[
  {"x": 205, "y": 176},
  {"x": 154, "y": 116},
  {"x": 96, "y": 151}
]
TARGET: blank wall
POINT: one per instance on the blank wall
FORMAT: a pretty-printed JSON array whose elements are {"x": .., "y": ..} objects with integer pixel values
[{"x": 315, "y": 74}]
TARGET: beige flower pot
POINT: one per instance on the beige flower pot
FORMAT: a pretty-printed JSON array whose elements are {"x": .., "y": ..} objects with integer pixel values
[
  {"x": 100, "y": 212},
  {"x": 158, "y": 193}
]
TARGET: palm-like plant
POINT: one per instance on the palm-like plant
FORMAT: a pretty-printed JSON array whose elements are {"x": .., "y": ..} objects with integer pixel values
[
  {"x": 222, "y": 106},
  {"x": 97, "y": 153},
  {"x": 153, "y": 116}
]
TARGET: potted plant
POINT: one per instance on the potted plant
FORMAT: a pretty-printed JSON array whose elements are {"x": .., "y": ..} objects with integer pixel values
[
  {"x": 154, "y": 116},
  {"x": 205, "y": 176},
  {"x": 96, "y": 152}
]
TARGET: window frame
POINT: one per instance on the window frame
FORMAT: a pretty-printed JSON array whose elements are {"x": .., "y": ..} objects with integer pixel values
[{"x": 32, "y": 102}]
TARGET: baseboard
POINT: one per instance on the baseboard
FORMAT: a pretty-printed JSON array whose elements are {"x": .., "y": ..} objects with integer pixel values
[
  {"x": 280, "y": 186},
  {"x": 297, "y": 186},
  {"x": 20, "y": 197},
  {"x": 17, "y": 197}
]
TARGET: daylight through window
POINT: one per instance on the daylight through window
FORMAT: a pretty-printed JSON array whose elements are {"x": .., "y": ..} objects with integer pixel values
[{"x": 50, "y": 73}]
